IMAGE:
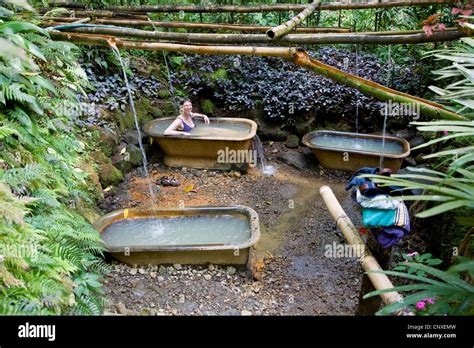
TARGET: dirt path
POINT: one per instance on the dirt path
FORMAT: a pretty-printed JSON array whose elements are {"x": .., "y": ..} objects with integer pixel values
[{"x": 292, "y": 274}]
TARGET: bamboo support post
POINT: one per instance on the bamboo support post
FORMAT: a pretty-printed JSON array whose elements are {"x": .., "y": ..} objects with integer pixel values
[
  {"x": 368, "y": 262},
  {"x": 328, "y": 6},
  {"x": 285, "y": 28}
]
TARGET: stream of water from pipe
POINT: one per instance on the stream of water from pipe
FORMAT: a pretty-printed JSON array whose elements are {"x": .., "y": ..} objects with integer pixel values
[
  {"x": 265, "y": 168},
  {"x": 132, "y": 107}
]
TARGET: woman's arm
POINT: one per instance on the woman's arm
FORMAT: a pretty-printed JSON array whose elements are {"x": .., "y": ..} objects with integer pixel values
[
  {"x": 204, "y": 117},
  {"x": 173, "y": 128}
]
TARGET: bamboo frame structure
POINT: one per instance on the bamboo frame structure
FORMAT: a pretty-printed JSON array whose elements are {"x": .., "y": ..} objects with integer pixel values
[
  {"x": 297, "y": 56},
  {"x": 295, "y": 39},
  {"x": 368, "y": 262},
  {"x": 285, "y": 28},
  {"x": 190, "y": 25},
  {"x": 329, "y": 6}
]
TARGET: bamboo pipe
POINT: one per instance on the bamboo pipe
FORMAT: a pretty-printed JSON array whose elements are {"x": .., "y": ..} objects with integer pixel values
[
  {"x": 81, "y": 20},
  {"x": 329, "y": 6},
  {"x": 186, "y": 25},
  {"x": 171, "y": 47},
  {"x": 296, "y": 39},
  {"x": 431, "y": 109},
  {"x": 285, "y": 28},
  {"x": 379, "y": 280},
  {"x": 108, "y": 14}
]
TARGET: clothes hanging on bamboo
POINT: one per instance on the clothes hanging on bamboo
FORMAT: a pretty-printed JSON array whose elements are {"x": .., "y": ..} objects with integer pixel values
[{"x": 387, "y": 219}]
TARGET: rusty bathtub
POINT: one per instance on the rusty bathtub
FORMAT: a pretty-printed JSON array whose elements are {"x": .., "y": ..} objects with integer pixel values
[
  {"x": 207, "y": 145},
  {"x": 351, "y": 151},
  {"x": 191, "y": 235}
]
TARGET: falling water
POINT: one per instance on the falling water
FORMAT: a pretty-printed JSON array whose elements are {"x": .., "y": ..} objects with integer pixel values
[
  {"x": 383, "y": 138},
  {"x": 266, "y": 169},
  {"x": 386, "y": 109},
  {"x": 132, "y": 106}
]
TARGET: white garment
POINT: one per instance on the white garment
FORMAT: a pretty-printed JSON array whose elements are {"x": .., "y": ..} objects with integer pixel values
[{"x": 376, "y": 202}]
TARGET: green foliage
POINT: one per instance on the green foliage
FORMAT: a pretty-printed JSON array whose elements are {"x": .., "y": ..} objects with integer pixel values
[
  {"x": 454, "y": 189},
  {"x": 459, "y": 93},
  {"x": 421, "y": 259},
  {"x": 49, "y": 260},
  {"x": 450, "y": 293}
]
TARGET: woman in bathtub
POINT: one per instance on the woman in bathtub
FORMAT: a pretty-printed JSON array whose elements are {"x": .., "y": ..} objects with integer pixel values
[{"x": 184, "y": 122}]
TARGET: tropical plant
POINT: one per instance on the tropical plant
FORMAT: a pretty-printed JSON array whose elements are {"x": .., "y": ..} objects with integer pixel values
[
  {"x": 459, "y": 93},
  {"x": 452, "y": 189},
  {"x": 49, "y": 254},
  {"x": 446, "y": 291}
]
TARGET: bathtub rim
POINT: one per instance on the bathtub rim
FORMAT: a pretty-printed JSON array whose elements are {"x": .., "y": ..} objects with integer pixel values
[
  {"x": 252, "y": 132},
  {"x": 103, "y": 222},
  {"x": 405, "y": 144}
]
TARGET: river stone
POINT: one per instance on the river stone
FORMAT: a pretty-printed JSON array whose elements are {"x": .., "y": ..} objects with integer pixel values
[
  {"x": 121, "y": 309},
  {"x": 131, "y": 136},
  {"x": 296, "y": 159},
  {"x": 416, "y": 141},
  {"x": 292, "y": 141},
  {"x": 409, "y": 161}
]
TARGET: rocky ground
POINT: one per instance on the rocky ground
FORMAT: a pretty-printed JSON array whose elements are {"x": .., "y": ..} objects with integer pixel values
[{"x": 290, "y": 273}]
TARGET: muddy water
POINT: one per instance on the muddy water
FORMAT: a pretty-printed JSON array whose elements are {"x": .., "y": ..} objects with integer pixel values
[
  {"x": 348, "y": 143},
  {"x": 188, "y": 230},
  {"x": 214, "y": 129}
]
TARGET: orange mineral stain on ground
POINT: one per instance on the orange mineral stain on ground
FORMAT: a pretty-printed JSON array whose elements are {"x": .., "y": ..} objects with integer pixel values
[{"x": 168, "y": 196}]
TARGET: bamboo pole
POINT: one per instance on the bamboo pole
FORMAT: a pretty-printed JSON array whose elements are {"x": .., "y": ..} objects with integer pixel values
[
  {"x": 188, "y": 25},
  {"x": 82, "y": 20},
  {"x": 431, "y": 109},
  {"x": 285, "y": 28},
  {"x": 107, "y": 14},
  {"x": 329, "y": 6},
  {"x": 295, "y": 39},
  {"x": 97, "y": 40},
  {"x": 368, "y": 262}
]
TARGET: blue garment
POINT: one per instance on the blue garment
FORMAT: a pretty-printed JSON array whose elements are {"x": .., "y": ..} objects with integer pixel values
[
  {"x": 186, "y": 127},
  {"x": 388, "y": 236},
  {"x": 373, "y": 189},
  {"x": 372, "y": 217},
  {"x": 378, "y": 217}
]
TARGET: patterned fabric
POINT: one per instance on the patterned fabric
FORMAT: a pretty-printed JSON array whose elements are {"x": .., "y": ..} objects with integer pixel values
[{"x": 388, "y": 221}]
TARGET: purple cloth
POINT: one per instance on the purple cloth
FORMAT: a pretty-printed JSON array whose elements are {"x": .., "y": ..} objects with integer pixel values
[{"x": 388, "y": 236}]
